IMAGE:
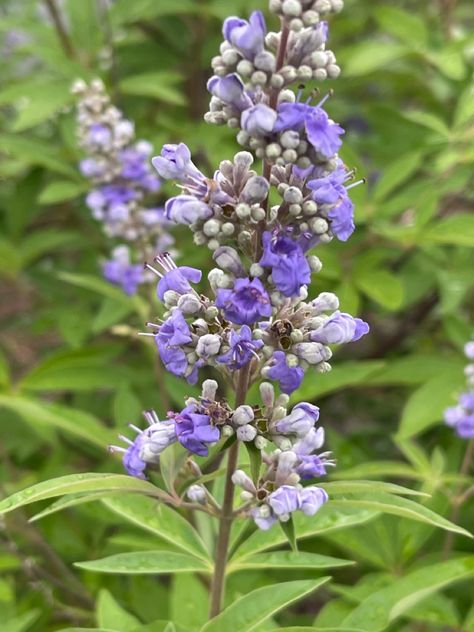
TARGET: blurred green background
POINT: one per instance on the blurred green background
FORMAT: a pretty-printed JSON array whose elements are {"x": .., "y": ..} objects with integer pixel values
[{"x": 72, "y": 370}]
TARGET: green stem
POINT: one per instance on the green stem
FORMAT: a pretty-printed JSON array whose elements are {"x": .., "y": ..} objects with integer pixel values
[
  {"x": 63, "y": 35},
  {"x": 227, "y": 515},
  {"x": 459, "y": 498}
]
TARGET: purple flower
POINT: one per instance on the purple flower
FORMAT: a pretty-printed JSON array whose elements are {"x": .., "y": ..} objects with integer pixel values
[
  {"x": 230, "y": 89},
  {"x": 175, "y": 278},
  {"x": 311, "y": 466},
  {"x": 289, "y": 378},
  {"x": 258, "y": 120},
  {"x": 194, "y": 430},
  {"x": 329, "y": 189},
  {"x": 127, "y": 276},
  {"x": 100, "y": 135},
  {"x": 342, "y": 219},
  {"x": 247, "y": 37},
  {"x": 312, "y": 499},
  {"x": 175, "y": 163},
  {"x": 90, "y": 168},
  {"x": 300, "y": 421},
  {"x": 172, "y": 335},
  {"x": 340, "y": 328},
  {"x": 469, "y": 350},
  {"x": 461, "y": 417},
  {"x": 148, "y": 445},
  {"x": 264, "y": 517},
  {"x": 186, "y": 209},
  {"x": 290, "y": 270},
  {"x": 284, "y": 500},
  {"x": 242, "y": 348},
  {"x": 245, "y": 303},
  {"x": 323, "y": 133},
  {"x": 120, "y": 271}
]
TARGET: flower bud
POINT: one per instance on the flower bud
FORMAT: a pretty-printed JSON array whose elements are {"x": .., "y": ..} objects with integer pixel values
[
  {"x": 325, "y": 302},
  {"x": 246, "y": 433},
  {"x": 243, "y": 415},
  {"x": 228, "y": 259},
  {"x": 255, "y": 190},
  {"x": 267, "y": 393},
  {"x": 209, "y": 389},
  {"x": 188, "y": 303},
  {"x": 240, "y": 478},
  {"x": 197, "y": 494},
  {"x": 208, "y": 346}
]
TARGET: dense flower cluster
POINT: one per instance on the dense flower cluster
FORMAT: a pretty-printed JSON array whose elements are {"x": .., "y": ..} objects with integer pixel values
[
  {"x": 257, "y": 324},
  {"x": 119, "y": 170},
  {"x": 461, "y": 416}
]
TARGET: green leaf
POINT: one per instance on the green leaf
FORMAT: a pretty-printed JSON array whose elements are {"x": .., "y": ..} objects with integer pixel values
[
  {"x": 188, "y": 601},
  {"x": 34, "y": 152},
  {"x": 110, "y": 313},
  {"x": 407, "y": 26},
  {"x": 44, "y": 242},
  {"x": 299, "y": 628},
  {"x": 4, "y": 370},
  {"x": 428, "y": 120},
  {"x": 343, "y": 375},
  {"x": 146, "y": 563},
  {"x": 171, "y": 461},
  {"x": 449, "y": 61},
  {"x": 99, "y": 286},
  {"x": 382, "y": 286},
  {"x": 464, "y": 112},
  {"x": 386, "y": 605},
  {"x": 255, "y": 456},
  {"x": 22, "y": 622},
  {"x": 110, "y": 614},
  {"x": 425, "y": 407},
  {"x": 329, "y": 518},
  {"x": 159, "y": 519},
  {"x": 248, "y": 612},
  {"x": 126, "y": 11},
  {"x": 400, "y": 507},
  {"x": 397, "y": 172},
  {"x": 76, "y": 483},
  {"x": 287, "y": 559},
  {"x": 363, "y": 59},
  {"x": 61, "y": 191},
  {"x": 157, "y": 85},
  {"x": 75, "y": 423},
  {"x": 40, "y": 102},
  {"x": 457, "y": 230},
  {"x": 288, "y": 529},
  {"x": 355, "y": 487},
  {"x": 71, "y": 500}
]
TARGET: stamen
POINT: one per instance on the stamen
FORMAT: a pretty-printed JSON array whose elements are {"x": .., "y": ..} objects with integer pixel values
[
  {"x": 138, "y": 430},
  {"x": 356, "y": 184},
  {"x": 147, "y": 266},
  {"x": 125, "y": 439},
  {"x": 141, "y": 333},
  {"x": 324, "y": 99},
  {"x": 116, "y": 448}
]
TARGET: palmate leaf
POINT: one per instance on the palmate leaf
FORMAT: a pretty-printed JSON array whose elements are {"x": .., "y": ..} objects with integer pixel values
[
  {"x": 248, "y": 612},
  {"x": 386, "y": 605},
  {"x": 76, "y": 483},
  {"x": 146, "y": 563},
  {"x": 287, "y": 559},
  {"x": 161, "y": 520}
]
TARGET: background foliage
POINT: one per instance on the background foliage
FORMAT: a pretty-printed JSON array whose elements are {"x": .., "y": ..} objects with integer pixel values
[{"x": 73, "y": 372}]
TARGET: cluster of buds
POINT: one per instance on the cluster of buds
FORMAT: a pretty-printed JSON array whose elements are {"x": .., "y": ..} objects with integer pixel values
[
  {"x": 118, "y": 168},
  {"x": 256, "y": 324},
  {"x": 461, "y": 416}
]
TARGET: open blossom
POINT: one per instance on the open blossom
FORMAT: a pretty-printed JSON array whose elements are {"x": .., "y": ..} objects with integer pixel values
[
  {"x": 242, "y": 348},
  {"x": 289, "y": 378},
  {"x": 175, "y": 278},
  {"x": 340, "y": 328},
  {"x": 285, "y": 257},
  {"x": 121, "y": 272},
  {"x": 248, "y": 37},
  {"x": 194, "y": 430},
  {"x": 323, "y": 134},
  {"x": 230, "y": 89},
  {"x": 175, "y": 163},
  {"x": 246, "y": 303},
  {"x": 172, "y": 336}
]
